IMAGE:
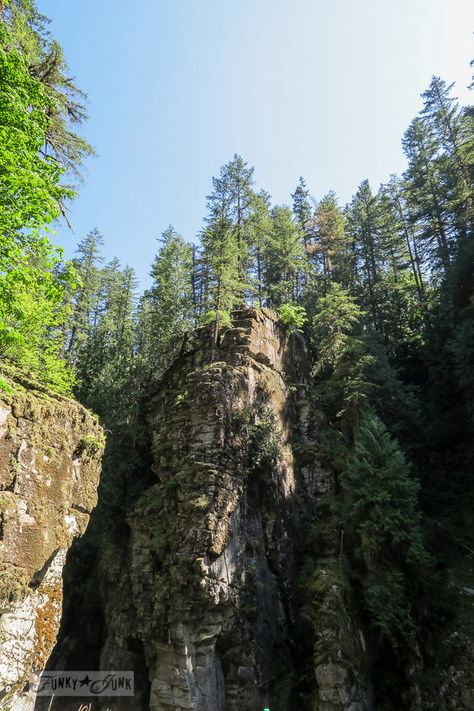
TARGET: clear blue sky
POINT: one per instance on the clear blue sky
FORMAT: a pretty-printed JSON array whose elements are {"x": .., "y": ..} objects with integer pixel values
[{"x": 318, "y": 88}]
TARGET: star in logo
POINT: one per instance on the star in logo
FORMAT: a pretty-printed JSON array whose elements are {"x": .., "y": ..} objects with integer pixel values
[{"x": 86, "y": 681}]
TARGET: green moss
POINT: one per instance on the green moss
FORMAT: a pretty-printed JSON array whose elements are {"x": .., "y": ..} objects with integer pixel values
[
  {"x": 201, "y": 503},
  {"x": 14, "y": 466},
  {"x": 180, "y": 398},
  {"x": 5, "y": 386},
  {"x": 13, "y": 583},
  {"x": 92, "y": 444}
]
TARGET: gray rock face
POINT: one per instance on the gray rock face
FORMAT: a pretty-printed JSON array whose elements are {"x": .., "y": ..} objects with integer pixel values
[
  {"x": 50, "y": 450},
  {"x": 205, "y": 593}
]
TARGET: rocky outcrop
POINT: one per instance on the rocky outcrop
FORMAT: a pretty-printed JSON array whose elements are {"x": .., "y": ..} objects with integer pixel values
[
  {"x": 50, "y": 449},
  {"x": 204, "y": 594}
]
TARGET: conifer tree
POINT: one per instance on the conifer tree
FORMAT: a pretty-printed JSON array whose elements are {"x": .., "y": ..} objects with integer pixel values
[
  {"x": 302, "y": 211},
  {"x": 455, "y": 136},
  {"x": 226, "y": 243},
  {"x": 333, "y": 242},
  {"x": 260, "y": 231},
  {"x": 341, "y": 358},
  {"x": 285, "y": 258},
  {"x": 167, "y": 308},
  {"x": 86, "y": 294},
  {"x": 396, "y": 191},
  {"x": 224, "y": 289},
  {"x": 383, "y": 521},
  {"x": 363, "y": 220},
  {"x": 428, "y": 196},
  {"x": 230, "y": 206}
]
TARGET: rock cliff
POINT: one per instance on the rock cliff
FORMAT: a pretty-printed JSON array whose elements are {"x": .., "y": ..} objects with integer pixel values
[
  {"x": 220, "y": 579},
  {"x": 50, "y": 449},
  {"x": 204, "y": 593}
]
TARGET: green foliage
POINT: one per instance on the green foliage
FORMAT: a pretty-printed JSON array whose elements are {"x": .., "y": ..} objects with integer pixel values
[
  {"x": 180, "y": 398},
  {"x": 262, "y": 440},
  {"x": 224, "y": 245},
  {"x": 167, "y": 309},
  {"x": 389, "y": 607},
  {"x": 342, "y": 358},
  {"x": 302, "y": 210},
  {"x": 5, "y": 387},
  {"x": 382, "y": 518},
  {"x": 30, "y": 192},
  {"x": 333, "y": 246},
  {"x": 293, "y": 316},
  {"x": 223, "y": 318},
  {"x": 103, "y": 343},
  {"x": 332, "y": 325},
  {"x": 44, "y": 58},
  {"x": 33, "y": 277},
  {"x": 285, "y": 260},
  {"x": 92, "y": 444}
]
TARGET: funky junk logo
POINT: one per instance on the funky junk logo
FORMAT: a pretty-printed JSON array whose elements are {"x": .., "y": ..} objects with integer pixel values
[{"x": 85, "y": 683}]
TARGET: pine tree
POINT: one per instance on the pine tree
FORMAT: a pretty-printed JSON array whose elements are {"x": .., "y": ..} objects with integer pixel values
[
  {"x": 226, "y": 243},
  {"x": 224, "y": 288},
  {"x": 260, "y": 231},
  {"x": 333, "y": 243},
  {"x": 396, "y": 190},
  {"x": 382, "y": 518},
  {"x": 341, "y": 358},
  {"x": 454, "y": 132},
  {"x": 302, "y": 211},
  {"x": 86, "y": 295},
  {"x": 401, "y": 298},
  {"x": 364, "y": 226},
  {"x": 167, "y": 309},
  {"x": 428, "y": 195},
  {"x": 285, "y": 259},
  {"x": 230, "y": 205}
]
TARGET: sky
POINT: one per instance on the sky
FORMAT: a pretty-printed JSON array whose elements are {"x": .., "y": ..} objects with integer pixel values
[{"x": 318, "y": 88}]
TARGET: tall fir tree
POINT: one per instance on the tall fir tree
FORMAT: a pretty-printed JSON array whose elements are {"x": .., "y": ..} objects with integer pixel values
[
  {"x": 167, "y": 311},
  {"x": 429, "y": 196},
  {"x": 303, "y": 212},
  {"x": 285, "y": 259},
  {"x": 334, "y": 244}
]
